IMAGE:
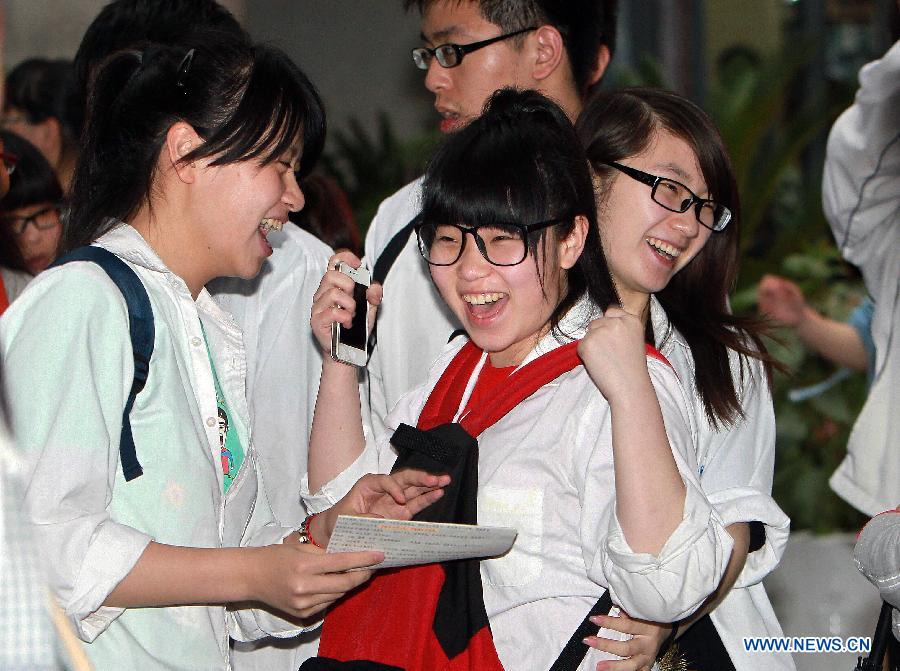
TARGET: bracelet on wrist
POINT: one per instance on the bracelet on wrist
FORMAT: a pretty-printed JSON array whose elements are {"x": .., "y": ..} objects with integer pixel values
[{"x": 305, "y": 531}]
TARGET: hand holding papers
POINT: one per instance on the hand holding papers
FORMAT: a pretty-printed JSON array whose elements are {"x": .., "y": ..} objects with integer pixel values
[{"x": 405, "y": 543}]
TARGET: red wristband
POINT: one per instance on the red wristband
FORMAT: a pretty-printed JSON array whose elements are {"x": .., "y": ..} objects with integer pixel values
[{"x": 307, "y": 529}]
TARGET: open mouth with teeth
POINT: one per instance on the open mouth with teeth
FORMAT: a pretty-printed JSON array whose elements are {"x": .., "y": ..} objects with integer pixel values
[
  {"x": 664, "y": 249},
  {"x": 268, "y": 225},
  {"x": 484, "y": 305}
]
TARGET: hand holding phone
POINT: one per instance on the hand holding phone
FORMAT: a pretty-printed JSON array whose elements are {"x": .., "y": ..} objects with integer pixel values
[{"x": 350, "y": 345}]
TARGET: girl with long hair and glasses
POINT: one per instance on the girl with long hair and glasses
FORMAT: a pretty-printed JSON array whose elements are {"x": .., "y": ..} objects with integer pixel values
[
  {"x": 669, "y": 221},
  {"x": 583, "y": 434},
  {"x": 188, "y": 161}
]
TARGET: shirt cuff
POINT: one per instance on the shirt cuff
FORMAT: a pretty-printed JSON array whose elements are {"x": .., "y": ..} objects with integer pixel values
[
  {"x": 672, "y": 585},
  {"x": 332, "y": 492},
  {"x": 111, "y": 556},
  {"x": 745, "y": 504}
]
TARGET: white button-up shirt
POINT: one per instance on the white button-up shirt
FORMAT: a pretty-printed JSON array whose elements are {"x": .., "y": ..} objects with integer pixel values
[
  {"x": 546, "y": 469},
  {"x": 68, "y": 366}
]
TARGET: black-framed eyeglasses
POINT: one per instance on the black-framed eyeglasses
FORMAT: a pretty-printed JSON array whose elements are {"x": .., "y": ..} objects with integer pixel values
[
  {"x": 43, "y": 220},
  {"x": 501, "y": 244},
  {"x": 10, "y": 161},
  {"x": 451, "y": 55},
  {"x": 676, "y": 197}
]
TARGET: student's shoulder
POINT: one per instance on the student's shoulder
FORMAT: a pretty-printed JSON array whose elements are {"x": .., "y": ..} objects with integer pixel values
[{"x": 63, "y": 297}]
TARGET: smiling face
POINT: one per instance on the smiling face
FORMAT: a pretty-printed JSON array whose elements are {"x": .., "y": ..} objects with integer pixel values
[
  {"x": 460, "y": 92},
  {"x": 242, "y": 203},
  {"x": 646, "y": 244},
  {"x": 505, "y": 309}
]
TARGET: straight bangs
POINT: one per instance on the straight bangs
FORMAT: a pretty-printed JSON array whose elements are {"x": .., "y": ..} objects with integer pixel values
[
  {"x": 278, "y": 108},
  {"x": 497, "y": 177}
]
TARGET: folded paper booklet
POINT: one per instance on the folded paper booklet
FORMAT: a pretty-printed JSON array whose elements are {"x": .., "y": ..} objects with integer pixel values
[{"x": 408, "y": 543}]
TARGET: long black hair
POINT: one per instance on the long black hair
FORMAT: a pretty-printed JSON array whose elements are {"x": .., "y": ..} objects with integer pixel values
[
  {"x": 247, "y": 102},
  {"x": 616, "y": 125},
  {"x": 521, "y": 162},
  {"x": 33, "y": 183}
]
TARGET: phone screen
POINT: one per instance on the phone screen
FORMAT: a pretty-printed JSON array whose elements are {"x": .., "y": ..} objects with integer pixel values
[{"x": 355, "y": 336}]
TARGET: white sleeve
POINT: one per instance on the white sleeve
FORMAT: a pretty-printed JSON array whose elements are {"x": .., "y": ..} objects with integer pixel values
[
  {"x": 67, "y": 354},
  {"x": 861, "y": 182},
  {"x": 739, "y": 465},
  {"x": 378, "y": 456},
  {"x": 689, "y": 567}
]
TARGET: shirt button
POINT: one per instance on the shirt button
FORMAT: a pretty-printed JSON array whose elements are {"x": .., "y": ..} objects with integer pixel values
[
  {"x": 195, "y": 341},
  {"x": 210, "y": 421}
]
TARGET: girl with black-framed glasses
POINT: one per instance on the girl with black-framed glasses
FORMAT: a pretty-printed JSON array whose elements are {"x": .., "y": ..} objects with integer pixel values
[
  {"x": 583, "y": 441},
  {"x": 669, "y": 220}
]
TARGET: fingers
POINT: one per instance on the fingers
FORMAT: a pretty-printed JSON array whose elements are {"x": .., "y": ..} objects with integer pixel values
[
  {"x": 419, "y": 503},
  {"x": 626, "y": 625},
  {"x": 375, "y": 294},
  {"x": 410, "y": 477},
  {"x": 339, "y": 562},
  {"x": 619, "y": 648},
  {"x": 345, "y": 256}
]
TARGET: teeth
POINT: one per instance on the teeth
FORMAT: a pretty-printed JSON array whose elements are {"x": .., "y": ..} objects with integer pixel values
[
  {"x": 664, "y": 247},
  {"x": 268, "y": 224},
  {"x": 482, "y": 299}
]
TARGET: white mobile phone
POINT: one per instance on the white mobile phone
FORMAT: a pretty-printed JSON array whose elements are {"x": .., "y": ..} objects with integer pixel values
[{"x": 350, "y": 345}]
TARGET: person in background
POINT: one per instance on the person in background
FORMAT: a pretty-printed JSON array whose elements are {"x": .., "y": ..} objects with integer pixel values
[
  {"x": 30, "y": 226},
  {"x": 847, "y": 344},
  {"x": 861, "y": 200},
  {"x": 41, "y": 106},
  {"x": 271, "y": 309},
  {"x": 669, "y": 218}
]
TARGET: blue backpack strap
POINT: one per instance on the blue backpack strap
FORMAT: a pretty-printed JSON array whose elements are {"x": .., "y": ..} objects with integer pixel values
[{"x": 141, "y": 329}]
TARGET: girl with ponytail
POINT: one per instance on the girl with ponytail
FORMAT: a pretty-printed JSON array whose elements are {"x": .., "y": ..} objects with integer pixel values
[{"x": 190, "y": 158}]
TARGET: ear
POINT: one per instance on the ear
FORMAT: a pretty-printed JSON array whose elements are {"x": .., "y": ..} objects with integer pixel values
[
  {"x": 181, "y": 140},
  {"x": 549, "y": 52},
  {"x": 572, "y": 245},
  {"x": 602, "y": 62}
]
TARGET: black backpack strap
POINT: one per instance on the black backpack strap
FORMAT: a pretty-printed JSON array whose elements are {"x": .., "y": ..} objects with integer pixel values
[
  {"x": 140, "y": 328},
  {"x": 385, "y": 262},
  {"x": 575, "y": 650}
]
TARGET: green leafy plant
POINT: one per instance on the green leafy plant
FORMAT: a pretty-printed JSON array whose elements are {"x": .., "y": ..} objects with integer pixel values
[{"x": 370, "y": 167}]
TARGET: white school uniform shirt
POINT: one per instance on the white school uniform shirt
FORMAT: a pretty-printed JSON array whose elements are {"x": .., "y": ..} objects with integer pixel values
[
  {"x": 735, "y": 468},
  {"x": 284, "y": 364},
  {"x": 68, "y": 368},
  {"x": 861, "y": 199},
  {"x": 546, "y": 470}
]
